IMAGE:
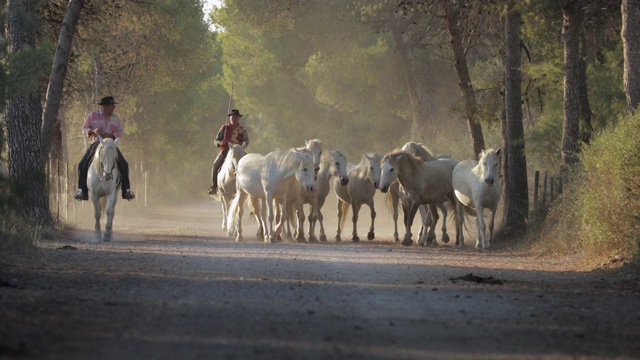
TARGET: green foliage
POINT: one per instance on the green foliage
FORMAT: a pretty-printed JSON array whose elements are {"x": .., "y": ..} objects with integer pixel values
[{"x": 610, "y": 195}]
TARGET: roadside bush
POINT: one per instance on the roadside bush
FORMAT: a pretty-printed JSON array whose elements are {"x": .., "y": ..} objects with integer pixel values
[
  {"x": 17, "y": 235},
  {"x": 610, "y": 200},
  {"x": 599, "y": 212}
]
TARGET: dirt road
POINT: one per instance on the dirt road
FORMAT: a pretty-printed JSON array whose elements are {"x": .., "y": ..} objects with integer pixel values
[{"x": 172, "y": 285}]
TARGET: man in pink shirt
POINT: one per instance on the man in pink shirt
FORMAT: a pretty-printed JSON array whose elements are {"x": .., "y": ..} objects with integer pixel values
[{"x": 106, "y": 124}]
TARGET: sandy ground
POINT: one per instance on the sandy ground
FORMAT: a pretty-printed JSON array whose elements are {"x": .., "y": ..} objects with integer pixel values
[{"x": 172, "y": 285}]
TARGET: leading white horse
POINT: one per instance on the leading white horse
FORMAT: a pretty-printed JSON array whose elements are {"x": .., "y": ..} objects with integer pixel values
[
  {"x": 103, "y": 180},
  {"x": 477, "y": 186},
  {"x": 363, "y": 182},
  {"x": 227, "y": 179},
  {"x": 332, "y": 164}
]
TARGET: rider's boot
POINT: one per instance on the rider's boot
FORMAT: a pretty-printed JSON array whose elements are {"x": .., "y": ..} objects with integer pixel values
[
  {"x": 128, "y": 194},
  {"x": 81, "y": 195}
]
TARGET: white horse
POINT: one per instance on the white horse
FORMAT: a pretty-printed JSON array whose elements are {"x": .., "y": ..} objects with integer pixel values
[
  {"x": 227, "y": 179},
  {"x": 268, "y": 178},
  {"x": 103, "y": 180},
  {"x": 423, "y": 182},
  {"x": 477, "y": 186},
  {"x": 333, "y": 163},
  {"x": 363, "y": 182}
]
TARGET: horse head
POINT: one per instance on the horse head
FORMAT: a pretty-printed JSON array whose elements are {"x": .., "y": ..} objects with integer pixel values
[
  {"x": 304, "y": 172},
  {"x": 107, "y": 155},
  {"x": 236, "y": 152},
  {"x": 339, "y": 166},
  {"x": 489, "y": 166},
  {"x": 389, "y": 171},
  {"x": 316, "y": 149},
  {"x": 373, "y": 167}
]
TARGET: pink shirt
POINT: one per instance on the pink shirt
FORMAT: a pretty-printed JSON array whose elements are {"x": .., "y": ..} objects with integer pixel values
[{"x": 108, "y": 124}]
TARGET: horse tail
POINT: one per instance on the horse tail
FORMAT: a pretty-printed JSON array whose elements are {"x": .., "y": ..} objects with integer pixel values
[
  {"x": 390, "y": 199},
  {"x": 345, "y": 212}
]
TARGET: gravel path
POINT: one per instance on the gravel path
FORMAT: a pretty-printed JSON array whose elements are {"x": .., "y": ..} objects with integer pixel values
[{"x": 172, "y": 285}]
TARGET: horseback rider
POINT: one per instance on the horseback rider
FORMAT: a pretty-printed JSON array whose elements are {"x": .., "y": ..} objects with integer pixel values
[
  {"x": 104, "y": 123},
  {"x": 230, "y": 133}
]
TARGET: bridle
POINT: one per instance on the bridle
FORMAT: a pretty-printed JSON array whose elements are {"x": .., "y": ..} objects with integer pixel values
[{"x": 104, "y": 175}]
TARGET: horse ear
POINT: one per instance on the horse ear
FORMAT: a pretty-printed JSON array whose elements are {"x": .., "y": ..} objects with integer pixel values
[
  {"x": 483, "y": 152},
  {"x": 100, "y": 139},
  {"x": 498, "y": 152},
  {"x": 306, "y": 142},
  {"x": 116, "y": 142}
]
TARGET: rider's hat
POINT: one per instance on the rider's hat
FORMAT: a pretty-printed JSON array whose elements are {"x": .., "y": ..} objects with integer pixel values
[
  {"x": 107, "y": 100},
  {"x": 234, "y": 112}
]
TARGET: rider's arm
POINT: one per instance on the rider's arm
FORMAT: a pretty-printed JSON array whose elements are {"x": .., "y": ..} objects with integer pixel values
[
  {"x": 220, "y": 137},
  {"x": 86, "y": 126},
  {"x": 245, "y": 138}
]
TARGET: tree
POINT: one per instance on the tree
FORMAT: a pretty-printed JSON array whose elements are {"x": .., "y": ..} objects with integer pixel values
[
  {"x": 30, "y": 141},
  {"x": 631, "y": 42},
  {"x": 460, "y": 62},
  {"x": 571, "y": 13},
  {"x": 516, "y": 200}
]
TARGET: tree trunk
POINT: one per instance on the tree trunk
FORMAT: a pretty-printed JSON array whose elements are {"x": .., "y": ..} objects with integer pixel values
[
  {"x": 51, "y": 123},
  {"x": 24, "y": 114},
  {"x": 571, "y": 39},
  {"x": 516, "y": 199},
  {"x": 460, "y": 60},
  {"x": 631, "y": 42}
]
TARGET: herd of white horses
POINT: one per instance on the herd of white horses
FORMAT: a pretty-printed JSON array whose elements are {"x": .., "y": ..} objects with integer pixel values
[{"x": 279, "y": 184}]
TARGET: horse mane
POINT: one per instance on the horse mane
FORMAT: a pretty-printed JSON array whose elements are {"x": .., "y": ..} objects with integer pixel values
[
  {"x": 420, "y": 151},
  {"x": 288, "y": 158},
  {"x": 415, "y": 164},
  {"x": 478, "y": 168}
]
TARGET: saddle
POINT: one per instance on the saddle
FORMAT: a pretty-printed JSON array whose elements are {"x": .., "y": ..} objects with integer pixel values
[{"x": 92, "y": 134}]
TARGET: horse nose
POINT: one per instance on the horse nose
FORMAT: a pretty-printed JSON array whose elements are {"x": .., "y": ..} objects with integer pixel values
[
  {"x": 344, "y": 181},
  {"x": 311, "y": 189},
  {"x": 384, "y": 189},
  {"x": 489, "y": 181}
]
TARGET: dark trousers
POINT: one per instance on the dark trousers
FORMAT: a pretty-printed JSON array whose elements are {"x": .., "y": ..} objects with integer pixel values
[
  {"x": 85, "y": 162},
  {"x": 217, "y": 163}
]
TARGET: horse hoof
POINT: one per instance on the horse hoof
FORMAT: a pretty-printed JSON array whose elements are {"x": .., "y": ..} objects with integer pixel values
[
  {"x": 313, "y": 239},
  {"x": 323, "y": 238},
  {"x": 445, "y": 238},
  {"x": 355, "y": 239},
  {"x": 338, "y": 239},
  {"x": 421, "y": 243},
  {"x": 407, "y": 242},
  {"x": 300, "y": 240},
  {"x": 371, "y": 235}
]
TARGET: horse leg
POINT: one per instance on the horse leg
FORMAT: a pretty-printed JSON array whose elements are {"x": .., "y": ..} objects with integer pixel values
[
  {"x": 110, "y": 211},
  {"x": 225, "y": 207},
  {"x": 409, "y": 215},
  {"x": 445, "y": 235},
  {"x": 241, "y": 200},
  {"x": 339, "y": 220},
  {"x": 371, "y": 235},
  {"x": 313, "y": 220},
  {"x": 459, "y": 218},
  {"x": 425, "y": 215},
  {"x": 97, "y": 213},
  {"x": 488, "y": 244},
  {"x": 394, "y": 206},
  {"x": 481, "y": 227},
  {"x": 354, "y": 220},
  {"x": 431, "y": 235},
  {"x": 406, "y": 209},
  {"x": 300, "y": 224}
]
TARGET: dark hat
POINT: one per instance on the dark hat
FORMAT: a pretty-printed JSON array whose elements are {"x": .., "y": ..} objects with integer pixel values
[
  {"x": 107, "y": 100},
  {"x": 234, "y": 112}
]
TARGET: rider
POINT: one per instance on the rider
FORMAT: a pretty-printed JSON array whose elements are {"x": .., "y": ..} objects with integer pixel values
[
  {"x": 106, "y": 124},
  {"x": 230, "y": 133}
]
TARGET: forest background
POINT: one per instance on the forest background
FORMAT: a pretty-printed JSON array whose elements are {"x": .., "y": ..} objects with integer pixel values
[{"x": 359, "y": 75}]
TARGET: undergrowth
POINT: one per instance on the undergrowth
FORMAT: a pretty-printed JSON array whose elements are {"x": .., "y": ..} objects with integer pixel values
[
  {"x": 17, "y": 234},
  {"x": 598, "y": 214}
]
